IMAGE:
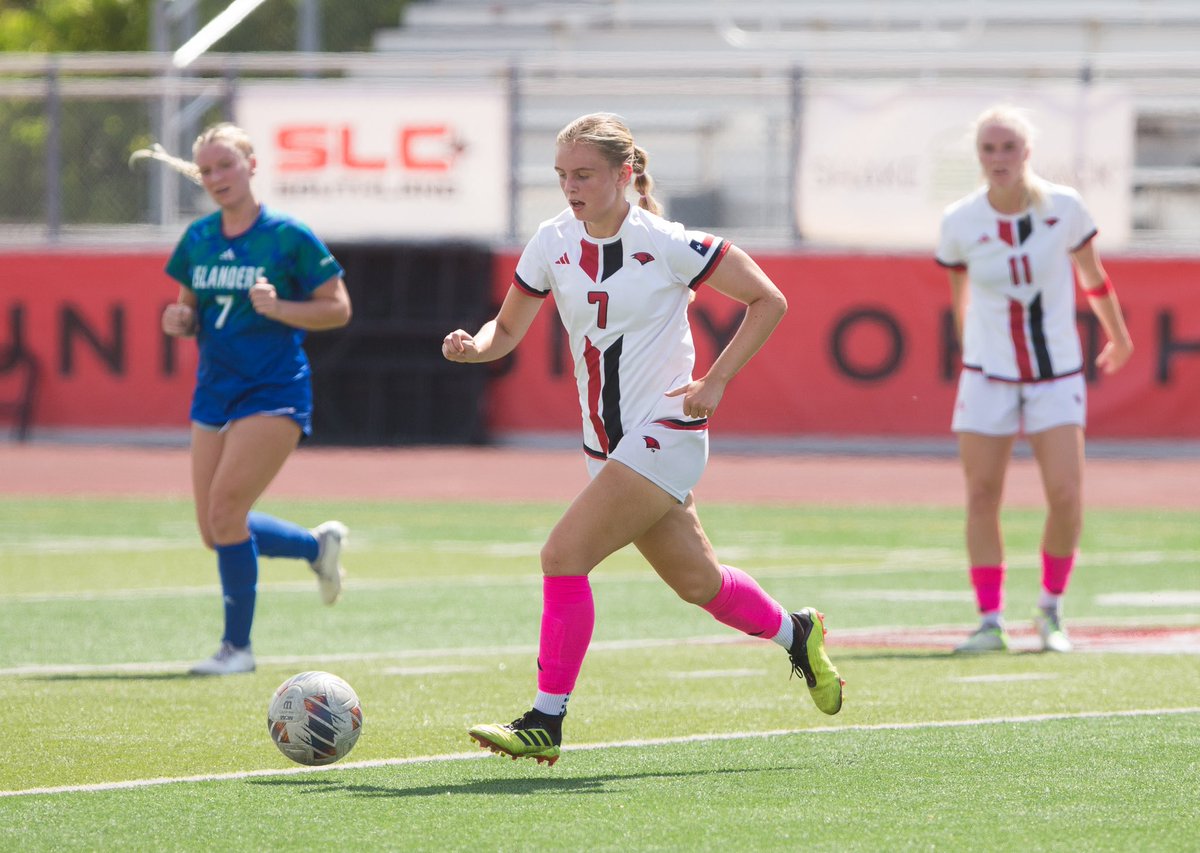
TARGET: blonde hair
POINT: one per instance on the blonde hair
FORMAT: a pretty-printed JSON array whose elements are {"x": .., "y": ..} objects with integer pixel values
[
  {"x": 1014, "y": 119},
  {"x": 225, "y": 132},
  {"x": 612, "y": 138}
]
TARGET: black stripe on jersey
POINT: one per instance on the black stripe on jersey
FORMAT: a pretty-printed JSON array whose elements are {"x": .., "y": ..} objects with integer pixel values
[
  {"x": 1085, "y": 240},
  {"x": 1037, "y": 332},
  {"x": 1024, "y": 228},
  {"x": 611, "y": 395},
  {"x": 710, "y": 266},
  {"x": 595, "y": 454},
  {"x": 532, "y": 291},
  {"x": 614, "y": 257},
  {"x": 958, "y": 265}
]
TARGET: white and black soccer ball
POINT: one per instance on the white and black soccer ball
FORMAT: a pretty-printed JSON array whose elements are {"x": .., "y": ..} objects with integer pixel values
[{"x": 315, "y": 718}]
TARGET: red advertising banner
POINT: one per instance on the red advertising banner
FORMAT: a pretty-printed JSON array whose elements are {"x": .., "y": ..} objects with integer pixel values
[
  {"x": 867, "y": 349},
  {"x": 92, "y": 323}
]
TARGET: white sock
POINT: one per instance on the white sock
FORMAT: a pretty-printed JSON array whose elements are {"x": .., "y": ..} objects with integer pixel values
[
  {"x": 786, "y": 635},
  {"x": 554, "y": 704},
  {"x": 1049, "y": 602},
  {"x": 993, "y": 619}
]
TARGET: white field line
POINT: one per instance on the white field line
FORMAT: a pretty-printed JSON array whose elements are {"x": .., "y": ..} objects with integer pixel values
[
  {"x": 641, "y": 742},
  {"x": 310, "y": 661},
  {"x": 878, "y": 633},
  {"x": 885, "y": 563}
]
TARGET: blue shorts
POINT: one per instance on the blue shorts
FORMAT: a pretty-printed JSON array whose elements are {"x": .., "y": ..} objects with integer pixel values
[{"x": 216, "y": 410}]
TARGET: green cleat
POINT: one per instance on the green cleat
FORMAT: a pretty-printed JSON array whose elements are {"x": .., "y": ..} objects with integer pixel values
[
  {"x": 535, "y": 735},
  {"x": 986, "y": 639},
  {"x": 810, "y": 660},
  {"x": 1050, "y": 629}
]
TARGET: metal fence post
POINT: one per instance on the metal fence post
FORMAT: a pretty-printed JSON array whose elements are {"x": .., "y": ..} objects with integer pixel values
[
  {"x": 53, "y": 153},
  {"x": 796, "y": 113},
  {"x": 514, "y": 150}
]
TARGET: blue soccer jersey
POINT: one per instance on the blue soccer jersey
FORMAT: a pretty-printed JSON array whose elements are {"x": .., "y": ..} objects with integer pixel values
[{"x": 244, "y": 355}]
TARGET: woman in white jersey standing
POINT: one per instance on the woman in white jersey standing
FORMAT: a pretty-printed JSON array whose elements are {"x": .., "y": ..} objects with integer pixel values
[
  {"x": 622, "y": 279},
  {"x": 1013, "y": 249}
]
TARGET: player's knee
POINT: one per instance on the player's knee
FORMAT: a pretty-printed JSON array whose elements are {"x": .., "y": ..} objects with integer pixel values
[
  {"x": 559, "y": 558},
  {"x": 226, "y": 522}
]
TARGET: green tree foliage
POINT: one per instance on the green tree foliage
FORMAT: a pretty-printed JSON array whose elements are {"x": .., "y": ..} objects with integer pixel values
[
  {"x": 56, "y": 26},
  {"x": 96, "y": 135}
]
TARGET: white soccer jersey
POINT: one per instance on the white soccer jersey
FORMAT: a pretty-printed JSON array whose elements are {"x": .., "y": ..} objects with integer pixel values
[
  {"x": 623, "y": 301},
  {"x": 1020, "y": 321}
]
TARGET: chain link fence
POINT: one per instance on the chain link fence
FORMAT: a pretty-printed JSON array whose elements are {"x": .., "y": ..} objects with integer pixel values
[{"x": 723, "y": 136}]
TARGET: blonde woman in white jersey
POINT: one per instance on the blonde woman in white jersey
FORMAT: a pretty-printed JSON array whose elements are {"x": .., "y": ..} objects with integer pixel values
[
  {"x": 1013, "y": 249},
  {"x": 622, "y": 279}
]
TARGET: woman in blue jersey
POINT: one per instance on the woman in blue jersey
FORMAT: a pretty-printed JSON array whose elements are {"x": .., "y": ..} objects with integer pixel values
[{"x": 252, "y": 282}]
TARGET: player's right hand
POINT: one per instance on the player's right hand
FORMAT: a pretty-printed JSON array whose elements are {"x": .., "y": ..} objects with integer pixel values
[
  {"x": 179, "y": 320},
  {"x": 460, "y": 346}
]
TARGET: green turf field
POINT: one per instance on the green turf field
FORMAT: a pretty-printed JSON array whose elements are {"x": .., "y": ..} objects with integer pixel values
[{"x": 681, "y": 736}]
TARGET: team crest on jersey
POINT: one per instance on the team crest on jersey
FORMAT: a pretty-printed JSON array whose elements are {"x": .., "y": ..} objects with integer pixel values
[
  {"x": 642, "y": 258},
  {"x": 1052, "y": 221},
  {"x": 652, "y": 443}
]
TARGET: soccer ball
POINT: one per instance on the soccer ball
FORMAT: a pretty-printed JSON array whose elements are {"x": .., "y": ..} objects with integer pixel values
[{"x": 314, "y": 718}]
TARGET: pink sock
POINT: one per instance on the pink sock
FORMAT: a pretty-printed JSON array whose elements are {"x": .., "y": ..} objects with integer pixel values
[
  {"x": 742, "y": 604},
  {"x": 989, "y": 587},
  {"x": 1056, "y": 571},
  {"x": 568, "y": 617}
]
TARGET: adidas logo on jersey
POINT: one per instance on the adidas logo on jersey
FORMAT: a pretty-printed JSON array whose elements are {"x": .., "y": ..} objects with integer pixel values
[
  {"x": 564, "y": 259},
  {"x": 228, "y": 255}
]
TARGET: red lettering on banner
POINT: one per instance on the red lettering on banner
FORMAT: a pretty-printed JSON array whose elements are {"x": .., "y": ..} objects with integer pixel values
[
  {"x": 303, "y": 148},
  {"x": 350, "y": 161},
  {"x": 411, "y": 141},
  {"x": 313, "y": 147}
]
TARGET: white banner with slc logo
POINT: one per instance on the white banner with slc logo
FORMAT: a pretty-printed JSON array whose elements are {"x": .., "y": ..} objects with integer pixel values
[
  {"x": 879, "y": 163},
  {"x": 358, "y": 162}
]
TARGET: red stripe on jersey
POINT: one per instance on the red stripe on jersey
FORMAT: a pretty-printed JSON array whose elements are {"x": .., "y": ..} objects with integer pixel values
[
  {"x": 589, "y": 259},
  {"x": 1016, "y": 325},
  {"x": 591, "y": 357},
  {"x": 711, "y": 267},
  {"x": 1006, "y": 231}
]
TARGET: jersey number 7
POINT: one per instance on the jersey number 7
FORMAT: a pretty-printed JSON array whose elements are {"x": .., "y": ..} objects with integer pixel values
[{"x": 599, "y": 298}]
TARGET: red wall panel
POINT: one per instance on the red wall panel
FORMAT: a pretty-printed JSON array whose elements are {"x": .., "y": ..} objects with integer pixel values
[
  {"x": 866, "y": 349},
  {"x": 92, "y": 321}
]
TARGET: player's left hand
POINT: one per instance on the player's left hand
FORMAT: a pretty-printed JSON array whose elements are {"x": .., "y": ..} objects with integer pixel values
[
  {"x": 700, "y": 397},
  {"x": 264, "y": 299},
  {"x": 1114, "y": 356}
]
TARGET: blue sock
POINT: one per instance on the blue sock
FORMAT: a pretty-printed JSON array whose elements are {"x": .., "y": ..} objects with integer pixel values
[
  {"x": 278, "y": 538},
  {"x": 238, "y": 565}
]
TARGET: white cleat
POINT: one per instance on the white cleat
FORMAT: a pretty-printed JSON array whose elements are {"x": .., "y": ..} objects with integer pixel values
[
  {"x": 331, "y": 536},
  {"x": 1050, "y": 629},
  {"x": 227, "y": 661}
]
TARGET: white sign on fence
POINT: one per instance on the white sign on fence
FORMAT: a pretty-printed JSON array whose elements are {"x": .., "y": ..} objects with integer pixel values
[
  {"x": 879, "y": 163},
  {"x": 357, "y": 162}
]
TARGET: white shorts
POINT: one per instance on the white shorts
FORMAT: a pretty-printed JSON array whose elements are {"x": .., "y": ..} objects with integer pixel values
[
  {"x": 993, "y": 407},
  {"x": 670, "y": 453}
]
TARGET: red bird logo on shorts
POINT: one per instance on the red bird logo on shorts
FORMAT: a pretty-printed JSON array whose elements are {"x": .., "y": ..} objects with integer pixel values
[
  {"x": 652, "y": 443},
  {"x": 643, "y": 258}
]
